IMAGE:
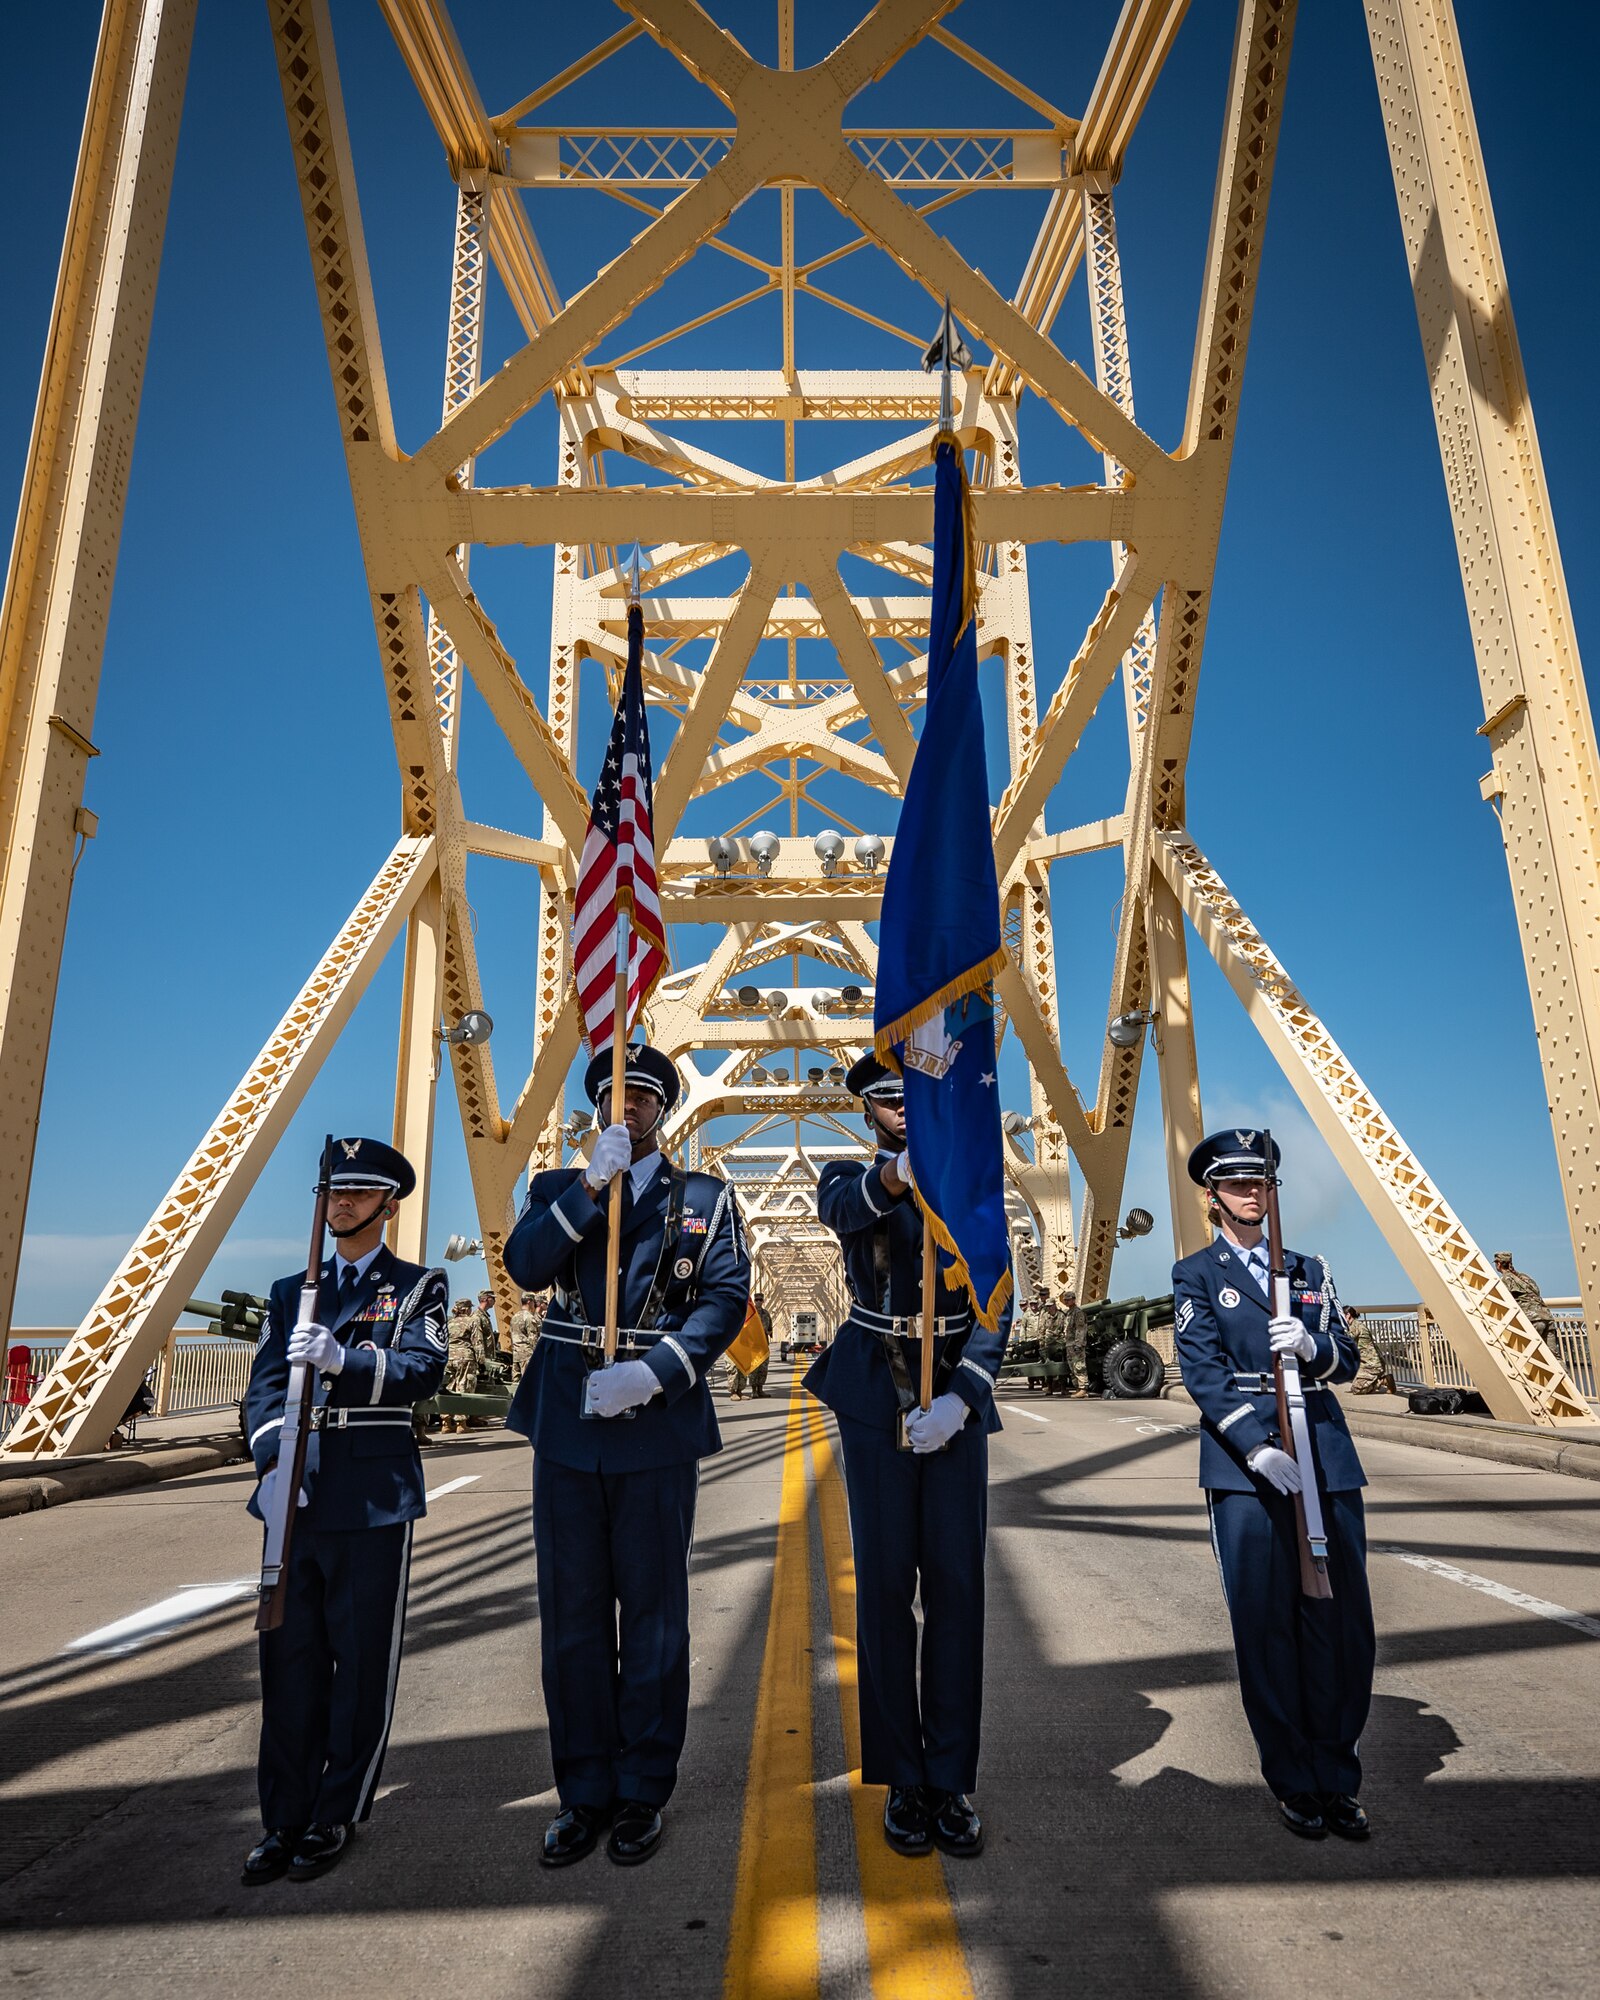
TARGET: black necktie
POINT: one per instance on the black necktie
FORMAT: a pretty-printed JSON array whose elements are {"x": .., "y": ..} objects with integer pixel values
[{"x": 349, "y": 1278}]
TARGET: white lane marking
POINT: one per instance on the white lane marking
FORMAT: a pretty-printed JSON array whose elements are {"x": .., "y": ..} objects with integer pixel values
[
  {"x": 452, "y": 1486},
  {"x": 139, "y": 1627},
  {"x": 1017, "y": 1410},
  {"x": 1148, "y": 1429},
  {"x": 1541, "y": 1606}
]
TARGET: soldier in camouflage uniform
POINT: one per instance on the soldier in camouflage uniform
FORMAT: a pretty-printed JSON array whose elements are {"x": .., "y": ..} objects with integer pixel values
[
  {"x": 1527, "y": 1295},
  {"x": 525, "y": 1324},
  {"x": 1075, "y": 1342},
  {"x": 461, "y": 1366},
  {"x": 1052, "y": 1340},
  {"x": 1373, "y": 1376}
]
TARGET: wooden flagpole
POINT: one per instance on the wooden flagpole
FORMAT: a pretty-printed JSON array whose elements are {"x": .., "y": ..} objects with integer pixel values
[
  {"x": 619, "y": 1091},
  {"x": 930, "y": 1287}
]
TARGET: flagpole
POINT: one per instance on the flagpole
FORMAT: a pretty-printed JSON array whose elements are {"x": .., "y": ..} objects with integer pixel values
[
  {"x": 619, "y": 1085},
  {"x": 619, "y": 1078},
  {"x": 930, "y": 1279}
]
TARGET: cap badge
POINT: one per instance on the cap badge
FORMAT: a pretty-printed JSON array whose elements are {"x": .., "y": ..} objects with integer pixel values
[
  {"x": 350, "y": 1147},
  {"x": 1245, "y": 1138}
]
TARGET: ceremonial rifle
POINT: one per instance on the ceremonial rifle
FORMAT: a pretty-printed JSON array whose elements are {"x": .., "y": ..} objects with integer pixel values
[
  {"x": 273, "y": 1591},
  {"x": 1310, "y": 1535}
]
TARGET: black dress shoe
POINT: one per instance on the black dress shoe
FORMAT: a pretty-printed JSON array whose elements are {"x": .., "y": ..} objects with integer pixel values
[
  {"x": 1301, "y": 1813},
  {"x": 271, "y": 1855},
  {"x": 1341, "y": 1815},
  {"x": 317, "y": 1850},
  {"x": 957, "y": 1828},
  {"x": 906, "y": 1825},
  {"x": 572, "y": 1834},
  {"x": 635, "y": 1833}
]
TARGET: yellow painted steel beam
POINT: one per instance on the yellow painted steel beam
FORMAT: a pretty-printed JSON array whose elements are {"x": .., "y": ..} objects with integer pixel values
[
  {"x": 1516, "y": 1374},
  {"x": 79, "y": 1403},
  {"x": 64, "y": 553},
  {"x": 1538, "y": 723}
]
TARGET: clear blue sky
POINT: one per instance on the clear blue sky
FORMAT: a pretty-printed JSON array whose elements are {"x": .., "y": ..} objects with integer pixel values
[{"x": 247, "y": 792}]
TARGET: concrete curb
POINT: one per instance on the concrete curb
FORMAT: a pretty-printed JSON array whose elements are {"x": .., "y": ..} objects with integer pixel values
[
  {"x": 1522, "y": 1445},
  {"x": 60, "y": 1480}
]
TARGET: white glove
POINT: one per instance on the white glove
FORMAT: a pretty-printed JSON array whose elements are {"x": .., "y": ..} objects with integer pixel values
[
  {"x": 903, "y": 1168},
  {"x": 622, "y": 1386},
  {"x": 317, "y": 1348},
  {"x": 269, "y": 1480},
  {"x": 1290, "y": 1337},
  {"x": 612, "y": 1152},
  {"x": 933, "y": 1428},
  {"x": 1276, "y": 1467}
]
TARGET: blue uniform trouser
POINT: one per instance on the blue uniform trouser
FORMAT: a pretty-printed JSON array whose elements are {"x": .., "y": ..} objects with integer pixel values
[
  {"x": 918, "y": 1521},
  {"x": 1305, "y": 1664},
  {"x": 613, "y": 1558},
  {"x": 328, "y": 1675}
]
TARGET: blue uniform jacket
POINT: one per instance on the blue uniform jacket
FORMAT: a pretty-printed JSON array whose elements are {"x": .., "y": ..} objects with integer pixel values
[
  {"x": 880, "y": 1235},
  {"x": 362, "y": 1470},
  {"x": 562, "y": 1239},
  {"x": 1222, "y": 1332}
]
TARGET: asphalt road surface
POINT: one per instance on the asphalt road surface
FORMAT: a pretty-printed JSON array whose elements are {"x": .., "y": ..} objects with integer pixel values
[{"x": 1133, "y": 1849}]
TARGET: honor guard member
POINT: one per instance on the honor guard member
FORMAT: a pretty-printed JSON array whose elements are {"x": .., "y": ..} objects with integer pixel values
[
  {"x": 614, "y": 1491},
  {"x": 918, "y": 1488},
  {"x": 328, "y": 1672},
  {"x": 1305, "y": 1664}
]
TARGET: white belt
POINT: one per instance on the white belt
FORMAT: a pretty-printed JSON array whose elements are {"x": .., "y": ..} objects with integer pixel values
[
  {"x": 1264, "y": 1385},
  {"x": 328, "y": 1417},
  {"x": 885, "y": 1323},
  {"x": 570, "y": 1335}
]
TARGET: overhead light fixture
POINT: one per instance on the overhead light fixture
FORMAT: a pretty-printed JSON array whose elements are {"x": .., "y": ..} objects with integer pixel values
[
  {"x": 827, "y": 847},
  {"x": 471, "y": 1031},
  {"x": 1137, "y": 1222},
  {"x": 777, "y": 1002},
  {"x": 837, "y": 1073},
  {"x": 722, "y": 852},
  {"x": 765, "y": 847},
  {"x": 1126, "y": 1029},
  {"x": 459, "y": 1247},
  {"x": 869, "y": 851},
  {"x": 757, "y": 1075},
  {"x": 823, "y": 1000},
  {"x": 749, "y": 996},
  {"x": 851, "y": 996},
  {"x": 816, "y": 1076},
  {"x": 1014, "y": 1122}
]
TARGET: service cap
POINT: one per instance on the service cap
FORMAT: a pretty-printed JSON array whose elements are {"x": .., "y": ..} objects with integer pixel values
[
  {"x": 1233, "y": 1156},
  {"x": 872, "y": 1078},
  {"x": 647, "y": 1069},
  {"x": 369, "y": 1163}
]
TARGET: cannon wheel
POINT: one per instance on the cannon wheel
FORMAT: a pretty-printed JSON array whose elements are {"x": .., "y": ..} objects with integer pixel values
[{"x": 1133, "y": 1369}]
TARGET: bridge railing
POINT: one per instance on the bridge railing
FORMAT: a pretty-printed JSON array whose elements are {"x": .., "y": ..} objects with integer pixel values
[
  {"x": 193, "y": 1374},
  {"x": 1419, "y": 1357}
]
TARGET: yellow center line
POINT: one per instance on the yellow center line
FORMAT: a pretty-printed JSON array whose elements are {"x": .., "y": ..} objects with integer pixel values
[
  {"x": 773, "y": 1951},
  {"x": 913, "y": 1943}
]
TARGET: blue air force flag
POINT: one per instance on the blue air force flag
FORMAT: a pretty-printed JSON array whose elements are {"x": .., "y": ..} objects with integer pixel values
[{"x": 939, "y": 941}]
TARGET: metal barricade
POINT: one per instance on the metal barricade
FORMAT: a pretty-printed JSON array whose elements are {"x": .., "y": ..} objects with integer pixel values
[{"x": 193, "y": 1375}]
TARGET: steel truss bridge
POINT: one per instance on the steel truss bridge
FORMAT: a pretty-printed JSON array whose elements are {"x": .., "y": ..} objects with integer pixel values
[{"x": 800, "y": 667}]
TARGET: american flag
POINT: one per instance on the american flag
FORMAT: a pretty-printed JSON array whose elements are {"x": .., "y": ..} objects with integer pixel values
[{"x": 617, "y": 873}]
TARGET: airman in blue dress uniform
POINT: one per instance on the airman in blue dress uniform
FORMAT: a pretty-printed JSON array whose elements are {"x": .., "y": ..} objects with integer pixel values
[
  {"x": 1305, "y": 1665},
  {"x": 328, "y": 1672},
  {"x": 614, "y": 1492},
  {"x": 918, "y": 1509}
]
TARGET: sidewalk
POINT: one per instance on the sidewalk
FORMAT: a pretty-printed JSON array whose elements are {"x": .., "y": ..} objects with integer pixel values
[
  {"x": 1539, "y": 1447},
  {"x": 168, "y": 1448}
]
